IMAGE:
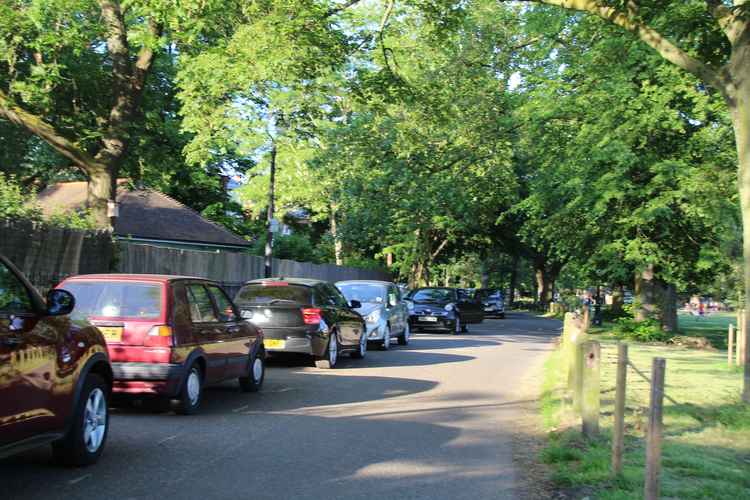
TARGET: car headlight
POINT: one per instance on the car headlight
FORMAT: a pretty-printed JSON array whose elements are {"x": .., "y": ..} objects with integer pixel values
[
  {"x": 448, "y": 307},
  {"x": 410, "y": 305},
  {"x": 373, "y": 317}
]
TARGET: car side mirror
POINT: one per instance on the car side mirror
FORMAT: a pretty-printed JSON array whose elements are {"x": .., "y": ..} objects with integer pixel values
[
  {"x": 60, "y": 303},
  {"x": 392, "y": 301},
  {"x": 355, "y": 304}
]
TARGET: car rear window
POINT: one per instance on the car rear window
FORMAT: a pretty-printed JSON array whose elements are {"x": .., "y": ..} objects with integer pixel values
[
  {"x": 113, "y": 299},
  {"x": 433, "y": 295},
  {"x": 262, "y": 294},
  {"x": 364, "y": 292}
]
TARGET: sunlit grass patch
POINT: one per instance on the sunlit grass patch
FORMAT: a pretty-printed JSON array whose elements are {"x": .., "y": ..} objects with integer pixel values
[{"x": 706, "y": 449}]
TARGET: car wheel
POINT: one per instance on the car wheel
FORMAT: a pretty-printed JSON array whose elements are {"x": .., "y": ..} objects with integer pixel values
[
  {"x": 386, "y": 339},
  {"x": 404, "y": 338},
  {"x": 256, "y": 374},
  {"x": 191, "y": 392},
  {"x": 502, "y": 316},
  {"x": 458, "y": 327},
  {"x": 85, "y": 440},
  {"x": 362, "y": 351},
  {"x": 464, "y": 327},
  {"x": 332, "y": 354}
]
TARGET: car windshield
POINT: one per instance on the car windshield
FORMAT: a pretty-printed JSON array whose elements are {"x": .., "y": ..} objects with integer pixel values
[
  {"x": 433, "y": 295},
  {"x": 116, "y": 299},
  {"x": 364, "y": 292},
  {"x": 490, "y": 294},
  {"x": 270, "y": 294}
]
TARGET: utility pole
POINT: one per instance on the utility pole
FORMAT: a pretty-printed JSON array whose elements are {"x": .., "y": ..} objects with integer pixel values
[{"x": 270, "y": 228}]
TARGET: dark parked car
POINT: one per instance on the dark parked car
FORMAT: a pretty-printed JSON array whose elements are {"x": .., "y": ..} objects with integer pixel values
[
  {"x": 493, "y": 302},
  {"x": 169, "y": 336},
  {"x": 55, "y": 376},
  {"x": 442, "y": 309},
  {"x": 304, "y": 316}
]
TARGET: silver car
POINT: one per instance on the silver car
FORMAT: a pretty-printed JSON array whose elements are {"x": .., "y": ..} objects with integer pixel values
[{"x": 383, "y": 308}]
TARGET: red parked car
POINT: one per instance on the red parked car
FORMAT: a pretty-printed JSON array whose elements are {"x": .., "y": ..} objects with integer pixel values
[
  {"x": 170, "y": 335},
  {"x": 55, "y": 376}
]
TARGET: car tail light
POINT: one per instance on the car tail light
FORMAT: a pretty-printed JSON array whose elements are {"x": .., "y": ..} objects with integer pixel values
[
  {"x": 311, "y": 315},
  {"x": 159, "y": 336}
]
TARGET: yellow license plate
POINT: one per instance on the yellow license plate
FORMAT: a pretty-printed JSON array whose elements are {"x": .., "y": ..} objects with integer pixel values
[
  {"x": 274, "y": 343},
  {"x": 111, "y": 333}
]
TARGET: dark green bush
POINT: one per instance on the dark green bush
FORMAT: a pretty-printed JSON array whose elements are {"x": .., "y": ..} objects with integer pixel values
[{"x": 640, "y": 331}]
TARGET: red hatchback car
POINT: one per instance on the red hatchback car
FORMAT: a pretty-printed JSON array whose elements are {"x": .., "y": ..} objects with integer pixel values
[{"x": 170, "y": 335}]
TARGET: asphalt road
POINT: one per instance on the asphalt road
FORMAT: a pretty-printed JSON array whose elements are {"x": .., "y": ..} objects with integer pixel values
[{"x": 432, "y": 420}]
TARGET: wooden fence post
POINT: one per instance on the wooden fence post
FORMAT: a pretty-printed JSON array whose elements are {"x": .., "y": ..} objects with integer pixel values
[
  {"x": 655, "y": 427},
  {"x": 618, "y": 436},
  {"x": 742, "y": 340},
  {"x": 730, "y": 345},
  {"x": 590, "y": 387},
  {"x": 739, "y": 338},
  {"x": 586, "y": 317}
]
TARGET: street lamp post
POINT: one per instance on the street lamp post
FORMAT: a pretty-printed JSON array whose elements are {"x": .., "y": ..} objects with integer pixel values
[{"x": 270, "y": 228}]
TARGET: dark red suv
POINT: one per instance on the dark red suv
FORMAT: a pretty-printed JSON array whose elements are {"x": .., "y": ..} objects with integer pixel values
[
  {"x": 169, "y": 335},
  {"x": 55, "y": 376}
]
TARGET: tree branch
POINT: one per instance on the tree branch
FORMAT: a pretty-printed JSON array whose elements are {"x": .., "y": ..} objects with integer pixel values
[
  {"x": 47, "y": 132},
  {"x": 647, "y": 35},
  {"x": 128, "y": 80},
  {"x": 727, "y": 18},
  {"x": 338, "y": 9},
  {"x": 439, "y": 249}
]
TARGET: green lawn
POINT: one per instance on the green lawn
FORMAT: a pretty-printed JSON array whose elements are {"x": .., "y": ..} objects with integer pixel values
[
  {"x": 706, "y": 451},
  {"x": 713, "y": 327}
]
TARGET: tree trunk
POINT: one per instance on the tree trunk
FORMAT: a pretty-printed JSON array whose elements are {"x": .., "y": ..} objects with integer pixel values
[
  {"x": 485, "y": 279},
  {"x": 102, "y": 189},
  {"x": 645, "y": 303},
  {"x": 513, "y": 283},
  {"x": 617, "y": 300},
  {"x": 542, "y": 286},
  {"x": 338, "y": 247},
  {"x": 739, "y": 108},
  {"x": 419, "y": 275},
  {"x": 668, "y": 308}
]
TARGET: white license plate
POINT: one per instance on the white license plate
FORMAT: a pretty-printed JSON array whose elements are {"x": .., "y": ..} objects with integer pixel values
[{"x": 429, "y": 319}]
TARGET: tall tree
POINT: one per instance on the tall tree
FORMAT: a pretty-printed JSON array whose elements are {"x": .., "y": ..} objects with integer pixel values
[{"x": 710, "y": 39}]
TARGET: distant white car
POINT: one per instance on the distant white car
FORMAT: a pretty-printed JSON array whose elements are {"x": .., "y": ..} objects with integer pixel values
[{"x": 385, "y": 312}]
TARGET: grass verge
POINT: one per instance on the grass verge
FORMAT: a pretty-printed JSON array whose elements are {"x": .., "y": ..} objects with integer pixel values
[{"x": 706, "y": 450}]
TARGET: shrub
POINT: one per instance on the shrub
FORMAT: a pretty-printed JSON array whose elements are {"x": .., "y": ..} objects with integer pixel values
[
  {"x": 14, "y": 202},
  {"x": 640, "y": 331}
]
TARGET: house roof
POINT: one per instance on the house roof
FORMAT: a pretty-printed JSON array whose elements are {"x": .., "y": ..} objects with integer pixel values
[{"x": 144, "y": 213}]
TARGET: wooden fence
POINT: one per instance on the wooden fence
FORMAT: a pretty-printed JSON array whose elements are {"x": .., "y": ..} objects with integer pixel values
[
  {"x": 47, "y": 255},
  {"x": 230, "y": 268}
]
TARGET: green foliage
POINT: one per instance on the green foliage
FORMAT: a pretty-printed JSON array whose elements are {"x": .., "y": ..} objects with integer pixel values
[
  {"x": 641, "y": 331},
  {"x": 14, "y": 202}
]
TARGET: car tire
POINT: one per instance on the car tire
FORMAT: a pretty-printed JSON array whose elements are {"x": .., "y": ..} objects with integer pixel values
[
  {"x": 457, "y": 326},
  {"x": 191, "y": 392},
  {"x": 403, "y": 339},
  {"x": 362, "y": 351},
  {"x": 502, "y": 316},
  {"x": 84, "y": 442},
  {"x": 464, "y": 327},
  {"x": 256, "y": 373},
  {"x": 386, "y": 344},
  {"x": 329, "y": 361}
]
